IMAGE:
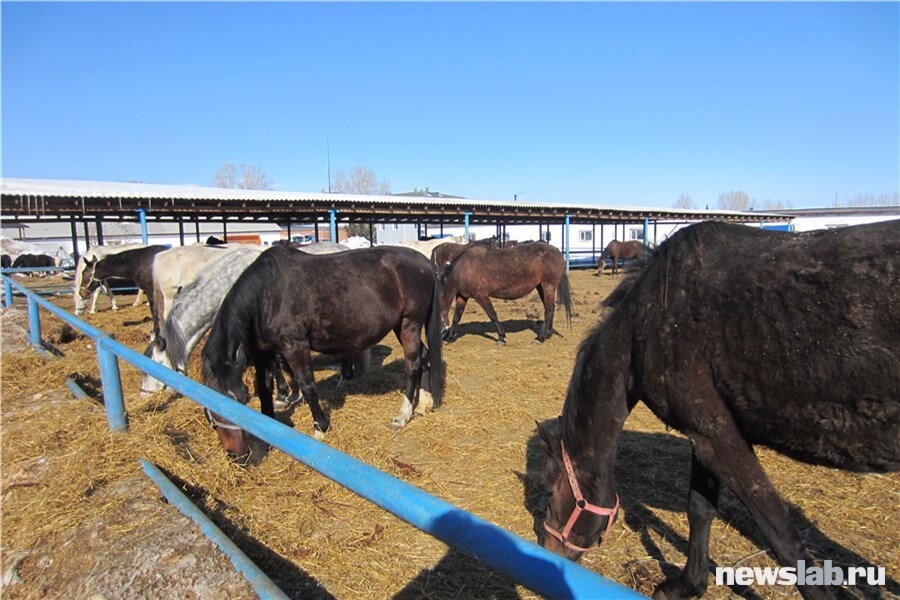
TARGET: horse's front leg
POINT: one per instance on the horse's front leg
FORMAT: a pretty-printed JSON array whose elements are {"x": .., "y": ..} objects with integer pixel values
[
  {"x": 702, "y": 508},
  {"x": 730, "y": 458},
  {"x": 458, "y": 308},
  {"x": 485, "y": 303},
  {"x": 265, "y": 365},
  {"x": 285, "y": 396},
  {"x": 96, "y": 296},
  {"x": 299, "y": 357}
]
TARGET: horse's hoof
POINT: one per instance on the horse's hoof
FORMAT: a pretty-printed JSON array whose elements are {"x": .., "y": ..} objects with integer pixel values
[
  {"x": 281, "y": 404},
  {"x": 501, "y": 342},
  {"x": 397, "y": 424},
  {"x": 537, "y": 341},
  {"x": 318, "y": 434}
]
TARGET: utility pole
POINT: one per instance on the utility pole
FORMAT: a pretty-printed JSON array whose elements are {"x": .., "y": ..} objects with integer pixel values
[{"x": 328, "y": 152}]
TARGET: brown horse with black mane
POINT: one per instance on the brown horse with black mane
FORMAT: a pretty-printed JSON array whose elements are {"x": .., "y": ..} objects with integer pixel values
[
  {"x": 616, "y": 251},
  {"x": 736, "y": 337},
  {"x": 481, "y": 272}
]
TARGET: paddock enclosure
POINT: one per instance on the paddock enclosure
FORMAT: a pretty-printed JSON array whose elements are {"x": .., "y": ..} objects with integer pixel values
[{"x": 78, "y": 516}]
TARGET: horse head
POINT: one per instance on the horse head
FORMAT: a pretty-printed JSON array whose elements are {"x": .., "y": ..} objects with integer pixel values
[
  {"x": 88, "y": 282},
  {"x": 573, "y": 524}
]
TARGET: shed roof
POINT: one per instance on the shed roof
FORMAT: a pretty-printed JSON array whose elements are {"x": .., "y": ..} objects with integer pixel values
[{"x": 38, "y": 198}]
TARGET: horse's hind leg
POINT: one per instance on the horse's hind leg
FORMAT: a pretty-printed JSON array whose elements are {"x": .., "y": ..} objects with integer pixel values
[
  {"x": 485, "y": 303},
  {"x": 286, "y": 396},
  {"x": 547, "y": 292},
  {"x": 299, "y": 357},
  {"x": 702, "y": 508},
  {"x": 139, "y": 299},
  {"x": 730, "y": 458},
  {"x": 410, "y": 336}
]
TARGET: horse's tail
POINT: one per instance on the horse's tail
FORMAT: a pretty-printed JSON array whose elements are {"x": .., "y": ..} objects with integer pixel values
[
  {"x": 437, "y": 369},
  {"x": 564, "y": 296}
]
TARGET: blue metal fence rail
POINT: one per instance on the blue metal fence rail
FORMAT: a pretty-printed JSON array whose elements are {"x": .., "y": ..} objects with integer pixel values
[{"x": 531, "y": 565}]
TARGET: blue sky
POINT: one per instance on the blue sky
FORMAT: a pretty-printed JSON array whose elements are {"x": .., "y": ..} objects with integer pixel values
[{"x": 629, "y": 104}]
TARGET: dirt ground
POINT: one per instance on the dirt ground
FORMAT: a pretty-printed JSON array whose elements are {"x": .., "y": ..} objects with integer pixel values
[{"x": 80, "y": 519}]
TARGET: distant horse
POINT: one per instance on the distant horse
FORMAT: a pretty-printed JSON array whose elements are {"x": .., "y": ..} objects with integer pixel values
[
  {"x": 94, "y": 253},
  {"x": 5, "y": 261},
  {"x": 482, "y": 272},
  {"x": 616, "y": 251},
  {"x": 195, "y": 309},
  {"x": 292, "y": 303},
  {"x": 30, "y": 261},
  {"x": 135, "y": 264},
  {"x": 426, "y": 247},
  {"x": 736, "y": 337}
]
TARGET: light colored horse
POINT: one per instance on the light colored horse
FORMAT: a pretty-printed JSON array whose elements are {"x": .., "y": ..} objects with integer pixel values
[
  {"x": 196, "y": 305},
  {"x": 176, "y": 268},
  {"x": 428, "y": 247},
  {"x": 95, "y": 253}
]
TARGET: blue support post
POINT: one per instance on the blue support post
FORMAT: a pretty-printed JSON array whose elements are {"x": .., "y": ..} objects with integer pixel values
[
  {"x": 112, "y": 386},
  {"x": 568, "y": 220},
  {"x": 646, "y": 232},
  {"x": 7, "y": 293},
  {"x": 260, "y": 582},
  {"x": 34, "y": 323},
  {"x": 332, "y": 226},
  {"x": 466, "y": 221},
  {"x": 143, "y": 218}
]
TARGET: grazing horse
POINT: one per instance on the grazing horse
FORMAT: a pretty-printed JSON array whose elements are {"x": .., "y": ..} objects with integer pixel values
[
  {"x": 195, "y": 309},
  {"x": 291, "y": 303},
  {"x": 92, "y": 254},
  {"x": 482, "y": 272},
  {"x": 30, "y": 261},
  {"x": 616, "y": 251},
  {"x": 736, "y": 337},
  {"x": 428, "y": 246},
  {"x": 136, "y": 265}
]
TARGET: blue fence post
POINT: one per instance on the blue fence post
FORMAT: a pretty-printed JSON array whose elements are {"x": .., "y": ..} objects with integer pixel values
[
  {"x": 7, "y": 293},
  {"x": 646, "y": 232},
  {"x": 568, "y": 219},
  {"x": 143, "y": 218},
  {"x": 34, "y": 323},
  {"x": 332, "y": 226},
  {"x": 112, "y": 386},
  {"x": 466, "y": 221}
]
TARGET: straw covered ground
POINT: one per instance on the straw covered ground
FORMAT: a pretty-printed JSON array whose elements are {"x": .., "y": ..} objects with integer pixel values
[{"x": 480, "y": 451}]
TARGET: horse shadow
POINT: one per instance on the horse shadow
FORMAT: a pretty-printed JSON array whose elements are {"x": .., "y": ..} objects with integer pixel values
[
  {"x": 653, "y": 472},
  {"x": 291, "y": 579},
  {"x": 459, "y": 575},
  {"x": 487, "y": 330}
]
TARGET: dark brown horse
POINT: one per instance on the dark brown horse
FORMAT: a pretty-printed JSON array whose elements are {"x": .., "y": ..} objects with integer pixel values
[
  {"x": 737, "y": 337},
  {"x": 482, "y": 272},
  {"x": 292, "y": 303},
  {"x": 616, "y": 251}
]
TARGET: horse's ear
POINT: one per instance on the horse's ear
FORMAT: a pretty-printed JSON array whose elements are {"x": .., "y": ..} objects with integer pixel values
[
  {"x": 548, "y": 439},
  {"x": 90, "y": 261}
]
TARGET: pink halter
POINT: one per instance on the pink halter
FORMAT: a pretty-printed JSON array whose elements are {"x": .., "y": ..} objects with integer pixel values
[{"x": 581, "y": 505}]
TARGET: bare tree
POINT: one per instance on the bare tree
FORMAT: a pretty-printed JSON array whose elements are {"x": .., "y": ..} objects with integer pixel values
[
  {"x": 860, "y": 200},
  {"x": 685, "y": 201},
  {"x": 734, "y": 201},
  {"x": 251, "y": 177},
  {"x": 225, "y": 176},
  {"x": 771, "y": 205},
  {"x": 359, "y": 180}
]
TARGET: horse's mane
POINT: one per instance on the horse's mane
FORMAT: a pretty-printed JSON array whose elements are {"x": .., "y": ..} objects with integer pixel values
[{"x": 236, "y": 324}]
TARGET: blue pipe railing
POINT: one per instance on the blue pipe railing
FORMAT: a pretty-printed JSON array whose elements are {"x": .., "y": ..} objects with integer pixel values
[{"x": 531, "y": 565}]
